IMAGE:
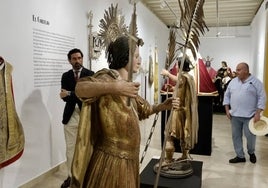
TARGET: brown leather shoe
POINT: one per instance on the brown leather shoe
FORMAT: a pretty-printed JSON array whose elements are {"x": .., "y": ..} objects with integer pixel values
[{"x": 66, "y": 183}]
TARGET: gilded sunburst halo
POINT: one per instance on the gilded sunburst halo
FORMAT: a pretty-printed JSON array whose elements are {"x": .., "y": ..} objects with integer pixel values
[{"x": 111, "y": 26}]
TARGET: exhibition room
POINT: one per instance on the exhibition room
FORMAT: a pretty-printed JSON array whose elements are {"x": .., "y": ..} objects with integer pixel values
[{"x": 134, "y": 93}]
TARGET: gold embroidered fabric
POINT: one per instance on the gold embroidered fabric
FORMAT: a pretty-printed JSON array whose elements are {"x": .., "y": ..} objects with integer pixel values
[
  {"x": 12, "y": 135},
  {"x": 3, "y": 118}
]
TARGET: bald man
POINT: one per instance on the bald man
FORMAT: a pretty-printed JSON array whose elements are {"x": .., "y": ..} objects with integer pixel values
[{"x": 244, "y": 99}]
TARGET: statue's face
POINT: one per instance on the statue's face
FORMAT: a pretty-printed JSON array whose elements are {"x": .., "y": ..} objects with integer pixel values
[
  {"x": 136, "y": 60},
  {"x": 207, "y": 63}
]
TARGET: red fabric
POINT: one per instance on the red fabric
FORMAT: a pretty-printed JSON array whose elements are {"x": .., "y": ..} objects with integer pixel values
[
  {"x": 212, "y": 73},
  {"x": 174, "y": 71},
  {"x": 13, "y": 159},
  {"x": 205, "y": 83}
]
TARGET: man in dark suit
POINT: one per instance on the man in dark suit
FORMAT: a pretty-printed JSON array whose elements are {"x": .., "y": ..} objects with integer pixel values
[{"x": 72, "y": 105}]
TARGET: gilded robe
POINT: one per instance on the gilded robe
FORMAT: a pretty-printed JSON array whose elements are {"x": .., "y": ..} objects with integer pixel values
[
  {"x": 184, "y": 121},
  {"x": 11, "y": 131},
  {"x": 108, "y": 140}
]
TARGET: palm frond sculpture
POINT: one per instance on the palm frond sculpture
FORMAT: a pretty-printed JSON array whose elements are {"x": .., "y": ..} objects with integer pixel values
[
  {"x": 171, "y": 48},
  {"x": 192, "y": 23},
  {"x": 133, "y": 29}
]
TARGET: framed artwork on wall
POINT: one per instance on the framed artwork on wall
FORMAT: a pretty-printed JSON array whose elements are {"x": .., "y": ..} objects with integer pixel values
[
  {"x": 94, "y": 41},
  {"x": 96, "y": 47}
]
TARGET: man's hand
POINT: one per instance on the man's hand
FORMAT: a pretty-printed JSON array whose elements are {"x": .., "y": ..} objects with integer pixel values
[
  {"x": 257, "y": 115},
  {"x": 227, "y": 111},
  {"x": 64, "y": 93}
]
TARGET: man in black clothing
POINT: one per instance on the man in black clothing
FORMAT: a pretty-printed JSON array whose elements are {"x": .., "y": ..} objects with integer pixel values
[{"x": 72, "y": 106}]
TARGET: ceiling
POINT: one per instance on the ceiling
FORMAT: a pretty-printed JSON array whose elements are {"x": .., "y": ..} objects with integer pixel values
[{"x": 217, "y": 13}]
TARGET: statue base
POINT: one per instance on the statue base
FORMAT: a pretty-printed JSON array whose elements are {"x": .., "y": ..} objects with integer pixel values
[
  {"x": 148, "y": 177},
  {"x": 175, "y": 169}
]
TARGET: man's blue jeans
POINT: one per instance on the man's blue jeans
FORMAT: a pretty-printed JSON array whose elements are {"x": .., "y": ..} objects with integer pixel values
[{"x": 240, "y": 125}]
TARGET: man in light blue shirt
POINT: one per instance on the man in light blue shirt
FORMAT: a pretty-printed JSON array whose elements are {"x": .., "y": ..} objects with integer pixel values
[{"x": 244, "y": 98}]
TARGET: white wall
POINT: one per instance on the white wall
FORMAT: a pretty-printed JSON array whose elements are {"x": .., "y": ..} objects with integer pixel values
[
  {"x": 233, "y": 46},
  {"x": 238, "y": 44},
  {"x": 259, "y": 31},
  {"x": 39, "y": 108}
]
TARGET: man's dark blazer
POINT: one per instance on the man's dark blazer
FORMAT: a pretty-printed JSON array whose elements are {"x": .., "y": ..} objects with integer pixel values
[{"x": 68, "y": 82}]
